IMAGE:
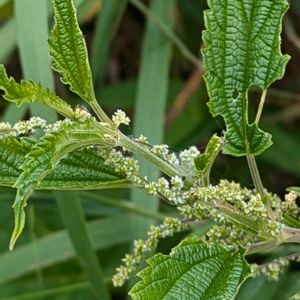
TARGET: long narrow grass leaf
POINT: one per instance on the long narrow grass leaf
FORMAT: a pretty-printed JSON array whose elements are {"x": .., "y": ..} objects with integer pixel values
[
  {"x": 151, "y": 98},
  {"x": 75, "y": 224},
  {"x": 32, "y": 17},
  {"x": 57, "y": 247},
  {"x": 107, "y": 23}
]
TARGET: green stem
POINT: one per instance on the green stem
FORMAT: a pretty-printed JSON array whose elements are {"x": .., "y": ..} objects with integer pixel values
[
  {"x": 102, "y": 116},
  {"x": 290, "y": 234},
  {"x": 261, "y": 106},
  {"x": 258, "y": 183},
  {"x": 138, "y": 149},
  {"x": 169, "y": 33},
  {"x": 262, "y": 246},
  {"x": 255, "y": 175}
]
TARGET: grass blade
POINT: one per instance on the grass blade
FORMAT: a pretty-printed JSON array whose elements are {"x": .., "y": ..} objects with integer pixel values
[
  {"x": 7, "y": 34},
  {"x": 74, "y": 221},
  {"x": 52, "y": 292},
  {"x": 151, "y": 99},
  {"x": 32, "y": 17},
  {"x": 107, "y": 23},
  {"x": 13, "y": 114},
  {"x": 57, "y": 247}
]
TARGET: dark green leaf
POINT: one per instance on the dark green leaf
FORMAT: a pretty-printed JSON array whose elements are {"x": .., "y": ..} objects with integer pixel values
[
  {"x": 69, "y": 52},
  {"x": 193, "y": 271},
  {"x": 242, "y": 49},
  {"x": 46, "y": 154}
]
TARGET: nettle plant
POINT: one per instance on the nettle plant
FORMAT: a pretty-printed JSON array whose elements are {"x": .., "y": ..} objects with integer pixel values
[{"x": 241, "y": 50}]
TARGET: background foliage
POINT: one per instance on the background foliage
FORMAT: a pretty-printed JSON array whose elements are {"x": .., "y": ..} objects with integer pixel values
[{"x": 145, "y": 60}]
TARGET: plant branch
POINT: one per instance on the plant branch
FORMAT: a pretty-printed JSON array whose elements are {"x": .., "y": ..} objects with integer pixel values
[
  {"x": 102, "y": 116},
  {"x": 255, "y": 175},
  {"x": 138, "y": 149},
  {"x": 262, "y": 246}
]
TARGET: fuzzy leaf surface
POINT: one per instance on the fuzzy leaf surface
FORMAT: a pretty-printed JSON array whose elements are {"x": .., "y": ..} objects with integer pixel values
[
  {"x": 82, "y": 169},
  {"x": 68, "y": 50},
  {"x": 29, "y": 92},
  {"x": 45, "y": 155},
  {"x": 192, "y": 271},
  {"x": 242, "y": 49}
]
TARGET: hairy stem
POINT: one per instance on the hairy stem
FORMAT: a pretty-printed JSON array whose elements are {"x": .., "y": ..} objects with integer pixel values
[
  {"x": 138, "y": 149},
  {"x": 255, "y": 175},
  {"x": 290, "y": 234},
  {"x": 262, "y": 246},
  {"x": 102, "y": 116}
]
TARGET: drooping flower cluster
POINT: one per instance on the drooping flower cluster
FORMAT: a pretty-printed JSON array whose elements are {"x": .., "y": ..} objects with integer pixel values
[
  {"x": 241, "y": 214},
  {"x": 274, "y": 269},
  {"x": 168, "y": 228}
]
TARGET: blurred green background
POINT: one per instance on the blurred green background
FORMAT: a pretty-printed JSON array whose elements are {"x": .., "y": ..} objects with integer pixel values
[{"x": 145, "y": 58}]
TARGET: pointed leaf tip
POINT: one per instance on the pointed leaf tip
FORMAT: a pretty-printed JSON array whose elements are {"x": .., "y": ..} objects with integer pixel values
[{"x": 68, "y": 51}]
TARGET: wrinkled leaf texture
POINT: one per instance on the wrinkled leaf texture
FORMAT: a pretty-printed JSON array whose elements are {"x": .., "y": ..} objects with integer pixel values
[
  {"x": 242, "y": 49},
  {"x": 193, "y": 271}
]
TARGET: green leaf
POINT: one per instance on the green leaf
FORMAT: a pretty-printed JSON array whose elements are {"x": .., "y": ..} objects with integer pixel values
[
  {"x": 68, "y": 51},
  {"x": 46, "y": 154},
  {"x": 242, "y": 49},
  {"x": 193, "y": 271},
  {"x": 80, "y": 170},
  {"x": 29, "y": 92},
  {"x": 204, "y": 161}
]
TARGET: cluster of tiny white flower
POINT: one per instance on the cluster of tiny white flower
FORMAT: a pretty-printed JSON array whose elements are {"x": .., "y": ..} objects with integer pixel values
[
  {"x": 6, "y": 129},
  {"x": 142, "y": 139},
  {"x": 273, "y": 269},
  {"x": 289, "y": 206},
  {"x": 23, "y": 127},
  {"x": 123, "y": 164},
  {"x": 187, "y": 158},
  {"x": 214, "y": 201},
  {"x": 163, "y": 152},
  {"x": 56, "y": 126},
  {"x": 119, "y": 117},
  {"x": 81, "y": 113},
  {"x": 172, "y": 191},
  {"x": 168, "y": 228}
]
